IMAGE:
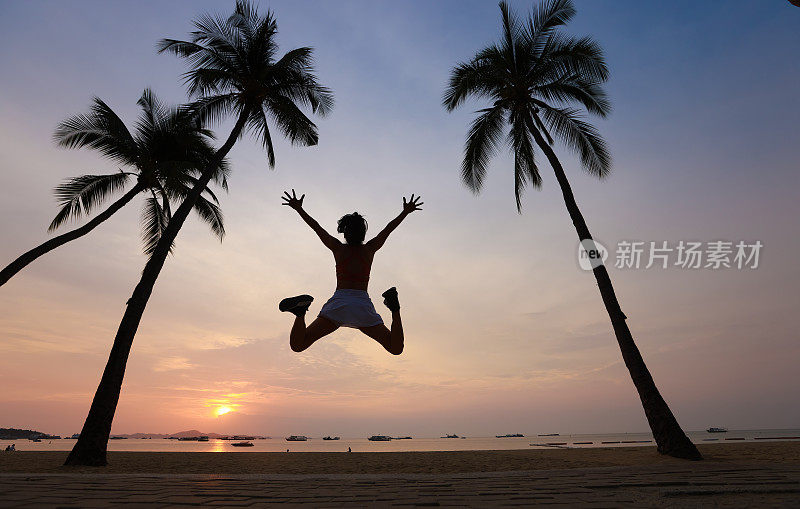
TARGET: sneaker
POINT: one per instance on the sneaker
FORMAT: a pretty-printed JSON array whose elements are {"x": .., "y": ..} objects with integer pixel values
[
  {"x": 390, "y": 299},
  {"x": 296, "y": 305}
]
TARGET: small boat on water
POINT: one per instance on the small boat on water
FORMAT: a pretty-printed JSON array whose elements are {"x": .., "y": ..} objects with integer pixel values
[
  {"x": 379, "y": 438},
  {"x": 548, "y": 434},
  {"x": 510, "y": 435},
  {"x": 331, "y": 438},
  {"x": 717, "y": 430},
  {"x": 243, "y": 444},
  {"x": 296, "y": 438},
  {"x": 450, "y": 436},
  {"x": 401, "y": 438}
]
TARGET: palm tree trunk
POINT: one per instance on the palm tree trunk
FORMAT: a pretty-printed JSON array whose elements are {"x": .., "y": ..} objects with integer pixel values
[
  {"x": 91, "y": 447},
  {"x": 26, "y": 258},
  {"x": 667, "y": 432}
]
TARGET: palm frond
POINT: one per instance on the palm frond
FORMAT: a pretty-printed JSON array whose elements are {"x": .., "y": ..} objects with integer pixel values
[
  {"x": 260, "y": 45},
  {"x": 510, "y": 28},
  {"x": 299, "y": 60},
  {"x": 245, "y": 18},
  {"x": 102, "y": 130},
  {"x": 154, "y": 121},
  {"x": 207, "y": 209},
  {"x": 257, "y": 123},
  {"x": 549, "y": 15},
  {"x": 199, "y": 57},
  {"x": 179, "y": 190},
  {"x": 591, "y": 95},
  {"x": 80, "y": 195},
  {"x": 178, "y": 48},
  {"x": 472, "y": 79},
  {"x": 221, "y": 35},
  {"x": 292, "y": 122},
  {"x": 482, "y": 142},
  {"x": 575, "y": 56},
  {"x": 213, "y": 109},
  {"x": 579, "y": 136},
  {"x": 211, "y": 214},
  {"x": 222, "y": 173},
  {"x": 153, "y": 110},
  {"x": 525, "y": 171},
  {"x": 154, "y": 222},
  {"x": 207, "y": 81},
  {"x": 301, "y": 86}
]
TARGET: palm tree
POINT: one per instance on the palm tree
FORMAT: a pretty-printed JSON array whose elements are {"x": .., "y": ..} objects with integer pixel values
[
  {"x": 165, "y": 152},
  {"x": 532, "y": 77},
  {"x": 234, "y": 70}
]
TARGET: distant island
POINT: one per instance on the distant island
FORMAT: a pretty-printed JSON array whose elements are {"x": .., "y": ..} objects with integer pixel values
[{"x": 27, "y": 434}]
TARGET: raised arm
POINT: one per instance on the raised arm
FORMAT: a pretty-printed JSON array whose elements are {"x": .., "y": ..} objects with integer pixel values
[
  {"x": 408, "y": 207},
  {"x": 296, "y": 203}
]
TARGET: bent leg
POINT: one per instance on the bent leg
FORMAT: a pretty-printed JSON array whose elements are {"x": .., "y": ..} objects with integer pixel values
[
  {"x": 302, "y": 337},
  {"x": 392, "y": 340}
]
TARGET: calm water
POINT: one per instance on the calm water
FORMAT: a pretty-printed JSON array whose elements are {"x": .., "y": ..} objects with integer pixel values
[{"x": 278, "y": 444}]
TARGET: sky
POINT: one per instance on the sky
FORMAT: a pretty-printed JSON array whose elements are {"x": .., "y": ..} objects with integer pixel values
[{"x": 504, "y": 331}]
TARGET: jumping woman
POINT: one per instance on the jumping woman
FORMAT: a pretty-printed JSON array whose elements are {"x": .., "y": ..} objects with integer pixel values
[{"x": 350, "y": 305}]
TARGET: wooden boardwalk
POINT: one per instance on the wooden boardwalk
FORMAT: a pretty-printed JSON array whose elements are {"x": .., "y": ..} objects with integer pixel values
[{"x": 701, "y": 484}]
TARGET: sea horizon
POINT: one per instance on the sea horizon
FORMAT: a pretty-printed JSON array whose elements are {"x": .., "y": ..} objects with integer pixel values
[{"x": 415, "y": 443}]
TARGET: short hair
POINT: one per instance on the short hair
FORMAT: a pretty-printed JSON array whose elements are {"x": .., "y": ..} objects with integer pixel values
[{"x": 354, "y": 228}]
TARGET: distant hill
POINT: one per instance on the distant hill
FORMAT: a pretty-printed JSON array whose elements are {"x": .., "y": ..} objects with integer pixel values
[
  {"x": 180, "y": 434},
  {"x": 22, "y": 434},
  {"x": 26, "y": 434},
  {"x": 194, "y": 433}
]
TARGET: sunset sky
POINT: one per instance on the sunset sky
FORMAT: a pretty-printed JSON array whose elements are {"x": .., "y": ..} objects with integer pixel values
[{"x": 504, "y": 332}]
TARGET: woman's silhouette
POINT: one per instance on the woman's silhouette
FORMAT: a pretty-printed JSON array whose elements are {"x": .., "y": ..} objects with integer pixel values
[{"x": 350, "y": 305}]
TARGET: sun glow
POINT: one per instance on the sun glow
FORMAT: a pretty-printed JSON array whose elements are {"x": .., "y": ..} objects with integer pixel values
[{"x": 223, "y": 410}]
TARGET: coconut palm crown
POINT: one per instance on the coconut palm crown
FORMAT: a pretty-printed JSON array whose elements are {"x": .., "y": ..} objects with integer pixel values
[
  {"x": 234, "y": 69},
  {"x": 535, "y": 76},
  {"x": 165, "y": 152}
]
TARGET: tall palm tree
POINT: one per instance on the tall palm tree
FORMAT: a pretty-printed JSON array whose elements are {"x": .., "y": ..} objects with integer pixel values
[
  {"x": 166, "y": 151},
  {"x": 234, "y": 70},
  {"x": 533, "y": 76}
]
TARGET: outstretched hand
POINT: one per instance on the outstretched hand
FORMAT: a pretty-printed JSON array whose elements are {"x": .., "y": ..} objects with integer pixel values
[
  {"x": 292, "y": 200},
  {"x": 412, "y": 204}
]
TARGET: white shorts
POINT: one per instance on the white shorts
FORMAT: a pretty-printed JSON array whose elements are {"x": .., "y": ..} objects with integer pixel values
[{"x": 351, "y": 308}]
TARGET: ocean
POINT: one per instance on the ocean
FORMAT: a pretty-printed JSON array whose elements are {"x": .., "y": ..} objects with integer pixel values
[{"x": 361, "y": 444}]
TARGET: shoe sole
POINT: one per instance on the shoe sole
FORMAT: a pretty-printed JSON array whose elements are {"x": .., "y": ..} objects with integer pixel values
[{"x": 292, "y": 304}]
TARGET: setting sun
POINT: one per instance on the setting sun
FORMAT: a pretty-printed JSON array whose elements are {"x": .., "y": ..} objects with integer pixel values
[{"x": 223, "y": 410}]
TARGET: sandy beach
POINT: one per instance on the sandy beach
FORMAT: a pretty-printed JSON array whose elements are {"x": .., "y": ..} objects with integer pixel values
[
  {"x": 396, "y": 462},
  {"x": 733, "y": 475}
]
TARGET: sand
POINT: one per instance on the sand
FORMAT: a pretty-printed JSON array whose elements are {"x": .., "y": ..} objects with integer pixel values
[{"x": 394, "y": 462}]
